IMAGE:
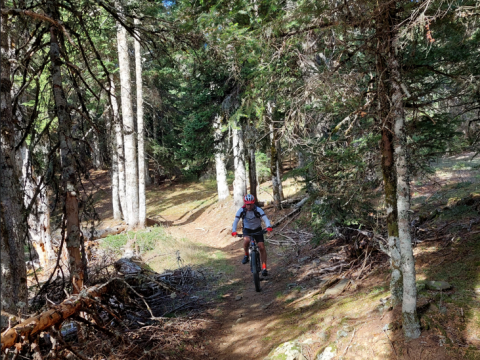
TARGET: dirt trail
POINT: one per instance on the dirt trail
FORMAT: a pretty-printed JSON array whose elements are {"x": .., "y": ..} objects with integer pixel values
[
  {"x": 244, "y": 318},
  {"x": 244, "y": 323}
]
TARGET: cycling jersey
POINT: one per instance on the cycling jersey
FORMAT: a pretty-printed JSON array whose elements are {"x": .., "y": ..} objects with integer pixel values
[{"x": 250, "y": 221}]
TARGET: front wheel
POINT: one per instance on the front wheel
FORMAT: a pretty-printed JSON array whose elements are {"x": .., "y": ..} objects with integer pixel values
[{"x": 255, "y": 270}]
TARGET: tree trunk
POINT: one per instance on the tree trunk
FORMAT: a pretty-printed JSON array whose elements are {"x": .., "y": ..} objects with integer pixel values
[
  {"x": 252, "y": 171},
  {"x": 97, "y": 152},
  {"x": 148, "y": 178},
  {"x": 39, "y": 216},
  {"x": 388, "y": 166},
  {"x": 117, "y": 211},
  {"x": 279, "y": 168},
  {"x": 142, "y": 215},
  {"x": 411, "y": 326},
  {"x": 274, "y": 167},
  {"x": 250, "y": 140},
  {"x": 13, "y": 279},
  {"x": 69, "y": 181},
  {"x": 300, "y": 159},
  {"x": 239, "y": 184},
  {"x": 131, "y": 166},
  {"x": 389, "y": 180},
  {"x": 221, "y": 170},
  {"x": 118, "y": 150}
]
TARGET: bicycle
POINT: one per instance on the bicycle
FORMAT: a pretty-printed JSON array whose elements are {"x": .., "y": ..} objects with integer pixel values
[{"x": 254, "y": 256}]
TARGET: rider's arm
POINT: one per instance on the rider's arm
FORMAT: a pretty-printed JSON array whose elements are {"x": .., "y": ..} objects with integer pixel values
[
  {"x": 264, "y": 217},
  {"x": 237, "y": 218}
]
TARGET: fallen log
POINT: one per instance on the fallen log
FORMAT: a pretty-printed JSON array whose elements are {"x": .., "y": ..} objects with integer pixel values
[
  {"x": 285, "y": 217},
  {"x": 56, "y": 315}
]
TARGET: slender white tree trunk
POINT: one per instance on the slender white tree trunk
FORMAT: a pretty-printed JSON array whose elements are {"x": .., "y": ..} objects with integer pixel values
[
  {"x": 97, "y": 153},
  {"x": 239, "y": 184},
  {"x": 131, "y": 166},
  {"x": 117, "y": 153},
  {"x": 69, "y": 180},
  {"x": 410, "y": 324},
  {"x": 13, "y": 277},
  {"x": 221, "y": 170},
  {"x": 142, "y": 210}
]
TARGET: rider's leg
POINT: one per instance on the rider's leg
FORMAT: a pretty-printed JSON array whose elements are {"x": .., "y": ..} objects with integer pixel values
[
  {"x": 246, "y": 244},
  {"x": 263, "y": 254}
]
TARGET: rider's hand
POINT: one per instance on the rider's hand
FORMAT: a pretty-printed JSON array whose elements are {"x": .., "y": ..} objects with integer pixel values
[
  {"x": 269, "y": 229},
  {"x": 234, "y": 233}
]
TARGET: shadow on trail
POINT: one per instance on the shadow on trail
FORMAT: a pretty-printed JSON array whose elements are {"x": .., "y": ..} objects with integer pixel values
[{"x": 193, "y": 215}]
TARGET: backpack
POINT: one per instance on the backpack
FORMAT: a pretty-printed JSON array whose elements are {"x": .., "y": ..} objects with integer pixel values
[{"x": 255, "y": 211}]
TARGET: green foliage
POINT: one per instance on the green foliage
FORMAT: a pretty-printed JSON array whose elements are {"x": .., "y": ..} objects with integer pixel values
[
  {"x": 263, "y": 166},
  {"x": 346, "y": 185}
]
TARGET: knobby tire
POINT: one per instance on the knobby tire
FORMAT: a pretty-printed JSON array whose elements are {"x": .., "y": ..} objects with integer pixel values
[{"x": 255, "y": 270}]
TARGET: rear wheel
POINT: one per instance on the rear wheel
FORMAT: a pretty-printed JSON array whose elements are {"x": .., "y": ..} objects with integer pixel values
[{"x": 255, "y": 261}]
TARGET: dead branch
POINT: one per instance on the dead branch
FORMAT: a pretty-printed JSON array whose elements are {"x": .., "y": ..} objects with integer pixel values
[
  {"x": 286, "y": 217},
  {"x": 298, "y": 206},
  {"x": 55, "y": 315}
]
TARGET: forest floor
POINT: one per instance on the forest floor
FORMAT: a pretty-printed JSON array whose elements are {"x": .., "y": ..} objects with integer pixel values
[{"x": 348, "y": 320}]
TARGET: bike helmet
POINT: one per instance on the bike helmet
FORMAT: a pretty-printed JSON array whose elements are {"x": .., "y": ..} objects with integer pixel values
[{"x": 249, "y": 199}]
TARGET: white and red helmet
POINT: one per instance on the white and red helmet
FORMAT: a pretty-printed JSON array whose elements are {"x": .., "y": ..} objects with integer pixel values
[{"x": 249, "y": 199}]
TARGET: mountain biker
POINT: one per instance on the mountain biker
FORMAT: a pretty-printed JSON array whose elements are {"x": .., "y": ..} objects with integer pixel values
[{"x": 252, "y": 216}]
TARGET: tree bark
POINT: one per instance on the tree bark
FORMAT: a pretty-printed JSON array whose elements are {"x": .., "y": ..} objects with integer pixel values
[
  {"x": 118, "y": 150},
  {"x": 410, "y": 325},
  {"x": 97, "y": 152},
  {"x": 279, "y": 168},
  {"x": 39, "y": 216},
  {"x": 142, "y": 215},
  {"x": 239, "y": 184},
  {"x": 148, "y": 178},
  {"x": 384, "y": 40},
  {"x": 221, "y": 170},
  {"x": 131, "y": 166},
  {"x": 300, "y": 159},
  {"x": 69, "y": 181},
  {"x": 252, "y": 171},
  {"x": 274, "y": 167},
  {"x": 250, "y": 139},
  {"x": 117, "y": 211},
  {"x": 13, "y": 279}
]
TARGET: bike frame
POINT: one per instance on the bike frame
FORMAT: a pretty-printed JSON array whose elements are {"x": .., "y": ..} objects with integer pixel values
[{"x": 254, "y": 254}]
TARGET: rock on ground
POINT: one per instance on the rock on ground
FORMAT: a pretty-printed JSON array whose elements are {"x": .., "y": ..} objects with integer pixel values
[
  {"x": 438, "y": 285},
  {"x": 327, "y": 354},
  {"x": 290, "y": 350}
]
